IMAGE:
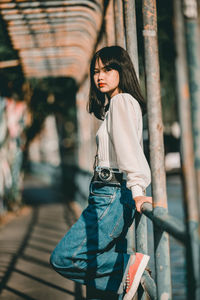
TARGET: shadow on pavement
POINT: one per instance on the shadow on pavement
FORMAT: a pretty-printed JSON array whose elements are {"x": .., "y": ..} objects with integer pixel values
[{"x": 25, "y": 247}]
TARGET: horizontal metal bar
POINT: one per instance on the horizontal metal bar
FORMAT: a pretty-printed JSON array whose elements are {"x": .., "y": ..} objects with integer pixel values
[{"x": 166, "y": 222}]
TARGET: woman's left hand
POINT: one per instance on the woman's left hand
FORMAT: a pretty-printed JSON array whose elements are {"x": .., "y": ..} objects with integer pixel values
[{"x": 139, "y": 200}]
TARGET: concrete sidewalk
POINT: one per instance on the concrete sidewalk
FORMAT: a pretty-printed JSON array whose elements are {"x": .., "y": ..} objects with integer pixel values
[{"x": 25, "y": 247}]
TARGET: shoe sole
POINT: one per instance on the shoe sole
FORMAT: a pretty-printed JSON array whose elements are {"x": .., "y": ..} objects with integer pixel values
[{"x": 137, "y": 279}]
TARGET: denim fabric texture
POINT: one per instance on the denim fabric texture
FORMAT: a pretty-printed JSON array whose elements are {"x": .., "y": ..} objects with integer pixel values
[{"x": 94, "y": 250}]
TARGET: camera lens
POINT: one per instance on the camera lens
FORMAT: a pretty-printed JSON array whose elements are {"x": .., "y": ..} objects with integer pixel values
[{"x": 105, "y": 174}]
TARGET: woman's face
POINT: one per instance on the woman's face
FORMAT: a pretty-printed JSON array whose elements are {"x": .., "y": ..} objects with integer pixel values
[{"x": 106, "y": 80}]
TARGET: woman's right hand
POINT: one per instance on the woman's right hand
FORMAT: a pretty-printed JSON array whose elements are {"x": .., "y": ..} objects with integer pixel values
[{"x": 140, "y": 200}]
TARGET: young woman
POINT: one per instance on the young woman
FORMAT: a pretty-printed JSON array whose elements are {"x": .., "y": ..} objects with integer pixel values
[{"x": 93, "y": 252}]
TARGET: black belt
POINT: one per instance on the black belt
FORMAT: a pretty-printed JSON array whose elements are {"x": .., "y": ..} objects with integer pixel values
[{"x": 107, "y": 175}]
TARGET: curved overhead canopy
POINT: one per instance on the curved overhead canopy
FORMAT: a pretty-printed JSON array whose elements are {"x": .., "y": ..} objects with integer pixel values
[{"x": 53, "y": 38}]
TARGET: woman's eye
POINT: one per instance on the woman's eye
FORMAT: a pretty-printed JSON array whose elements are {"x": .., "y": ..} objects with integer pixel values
[
  {"x": 96, "y": 72},
  {"x": 108, "y": 69}
]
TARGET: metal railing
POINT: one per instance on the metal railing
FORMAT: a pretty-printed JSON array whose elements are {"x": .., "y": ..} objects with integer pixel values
[
  {"x": 164, "y": 224},
  {"x": 120, "y": 19}
]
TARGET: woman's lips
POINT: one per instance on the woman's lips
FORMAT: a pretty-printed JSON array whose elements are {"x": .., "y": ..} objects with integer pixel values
[{"x": 101, "y": 84}]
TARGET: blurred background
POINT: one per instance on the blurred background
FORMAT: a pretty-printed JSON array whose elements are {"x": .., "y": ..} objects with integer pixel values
[
  {"x": 47, "y": 138},
  {"x": 45, "y": 52}
]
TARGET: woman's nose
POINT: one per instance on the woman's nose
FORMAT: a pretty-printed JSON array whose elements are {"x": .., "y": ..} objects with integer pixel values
[{"x": 101, "y": 75}]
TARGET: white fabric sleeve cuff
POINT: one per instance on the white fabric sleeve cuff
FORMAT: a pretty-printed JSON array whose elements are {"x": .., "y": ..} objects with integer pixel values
[{"x": 136, "y": 191}]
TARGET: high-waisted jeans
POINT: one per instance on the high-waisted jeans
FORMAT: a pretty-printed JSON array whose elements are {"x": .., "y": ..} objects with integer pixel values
[{"x": 93, "y": 252}]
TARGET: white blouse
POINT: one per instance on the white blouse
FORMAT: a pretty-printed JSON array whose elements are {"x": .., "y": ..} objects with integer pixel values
[{"x": 120, "y": 143}]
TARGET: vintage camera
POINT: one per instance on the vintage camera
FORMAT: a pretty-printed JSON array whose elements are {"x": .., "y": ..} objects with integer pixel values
[{"x": 105, "y": 174}]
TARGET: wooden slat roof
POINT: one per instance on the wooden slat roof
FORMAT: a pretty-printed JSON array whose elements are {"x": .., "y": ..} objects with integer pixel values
[{"x": 53, "y": 38}]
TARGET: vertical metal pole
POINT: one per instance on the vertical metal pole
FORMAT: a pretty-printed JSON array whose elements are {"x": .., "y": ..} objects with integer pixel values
[
  {"x": 130, "y": 31},
  {"x": 141, "y": 244},
  {"x": 119, "y": 23},
  {"x": 109, "y": 24},
  {"x": 132, "y": 38},
  {"x": 193, "y": 49},
  {"x": 187, "y": 151},
  {"x": 131, "y": 44},
  {"x": 161, "y": 239}
]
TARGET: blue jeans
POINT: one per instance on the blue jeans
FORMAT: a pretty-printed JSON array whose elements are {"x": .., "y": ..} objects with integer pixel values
[{"x": 93, "y": 252}]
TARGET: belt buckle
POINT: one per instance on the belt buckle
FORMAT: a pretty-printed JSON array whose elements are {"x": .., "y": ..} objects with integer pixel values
[{"x": 105, "y": 174}]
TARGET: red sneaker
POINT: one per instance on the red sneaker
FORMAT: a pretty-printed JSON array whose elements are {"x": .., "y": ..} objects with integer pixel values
[{"x": 137, "y": 266}]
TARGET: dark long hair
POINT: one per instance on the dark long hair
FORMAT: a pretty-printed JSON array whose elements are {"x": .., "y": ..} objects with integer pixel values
[{"x": 116, "y": 58}]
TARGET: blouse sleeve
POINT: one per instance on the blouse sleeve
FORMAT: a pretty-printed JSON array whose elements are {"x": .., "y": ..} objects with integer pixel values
[{"x": 123, "y": 122}]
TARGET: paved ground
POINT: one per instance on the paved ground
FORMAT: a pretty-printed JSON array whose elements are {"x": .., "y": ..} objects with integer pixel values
[
  {"x": 26, "y": 244},
  {"x": 25, "y": 247}
]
